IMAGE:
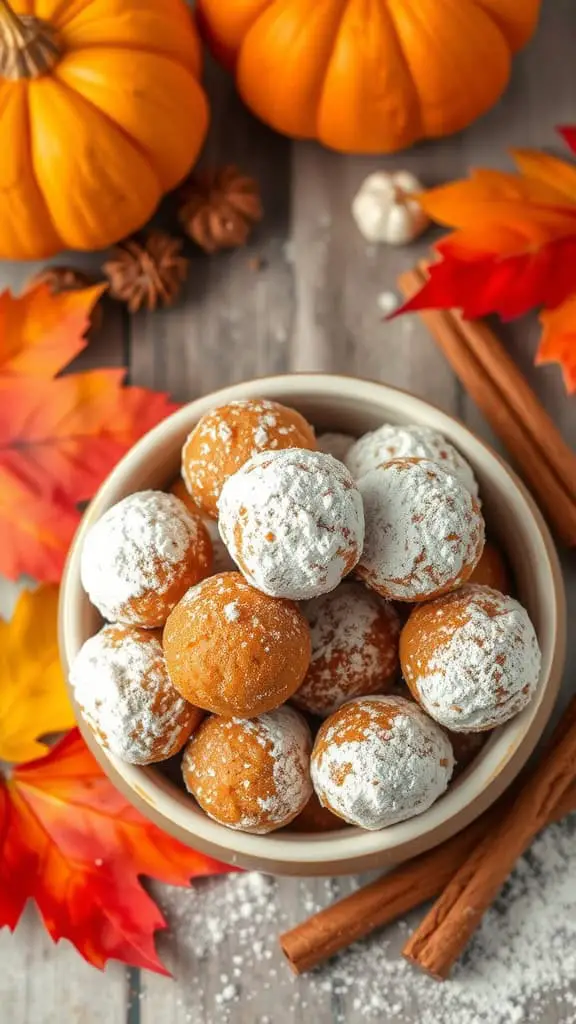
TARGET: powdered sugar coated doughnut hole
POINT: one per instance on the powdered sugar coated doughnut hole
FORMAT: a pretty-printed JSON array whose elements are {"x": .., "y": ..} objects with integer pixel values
[
  {"x": 337, "y": 445},
  {"x": 355, "y": 638},
  {"x": 293, "y": 522},
  {"x": 395, "y": 441},
  {"x": 251, "y": 775},
  {"x": 123, "y": 690},
  {"x": 379, "y": 760},
  {"x": 471, "y": 658},
  {"x": 142, "y": 556},
  {"x": 233, "y": 650},
  {"x": 226, "y": 437},
  {"x": 424, "y": 530}
]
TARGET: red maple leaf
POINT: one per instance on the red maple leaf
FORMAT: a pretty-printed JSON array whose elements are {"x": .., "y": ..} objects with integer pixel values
[
  {"x": 59, "y": 436},
  {"x": 514, "y": 244},
  {"x": 72, "y": 844}
]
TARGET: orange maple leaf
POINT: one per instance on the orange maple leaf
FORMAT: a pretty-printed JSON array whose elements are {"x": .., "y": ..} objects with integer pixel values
[
  {"x": 59, "y": 437},
  {"x": 40, "y": 333},
  {"x": 514, "y": 244},
  {"x": 72, "y": 844},
  {"x": 558, "y": 342}
]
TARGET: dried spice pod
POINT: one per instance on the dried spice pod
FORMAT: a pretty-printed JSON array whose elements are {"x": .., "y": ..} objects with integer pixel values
[
  {"x": 147, "y": 272},
  {"x": 60, "y": 279},
  {"x": 219, "y": 208}
]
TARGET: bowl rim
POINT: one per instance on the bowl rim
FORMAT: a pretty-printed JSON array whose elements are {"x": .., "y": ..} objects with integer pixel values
[{"x": 510, "y": 746}]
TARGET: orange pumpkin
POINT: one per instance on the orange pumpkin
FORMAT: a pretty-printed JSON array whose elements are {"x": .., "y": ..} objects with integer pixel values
[
  {"x": 101, "y": 112},
  {"x": 368, "y": 76}
]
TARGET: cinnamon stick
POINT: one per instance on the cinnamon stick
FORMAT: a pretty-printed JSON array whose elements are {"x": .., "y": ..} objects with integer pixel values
[
  {"x": 445, "y": 931},
  {"x": 387, "y": 898},
  {"x": 507, "y": 401}
]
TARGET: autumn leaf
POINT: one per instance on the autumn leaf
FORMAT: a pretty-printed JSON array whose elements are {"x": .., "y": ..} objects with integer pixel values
[
  {"x": 59, "y": 438},
  {"x": 70, "y": 842},
  {"x": 40, "y": 333},
  {"x": 514, "y": 244},
  {"x": 558, "y": 342},
  {"x": 33, "y": 698},
  {"x": 482, "y": 284}
]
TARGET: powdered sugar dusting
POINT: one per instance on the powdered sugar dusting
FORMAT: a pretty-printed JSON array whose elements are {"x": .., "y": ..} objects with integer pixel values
[
  {"x": 267, "y": 792},
  {"x": 337, "y": 445},
  {"x": 232, "y": 611},
  {"x": 129, "y": 550},
  {"x": 121, "y": 684},
  {"x": 484, "y": 664},
  {"x": 394, "y": 441},
  {"x": 519, "y": 968},
  {"x": 380, "y": 760},
  {"x": 354, "y": 648},
  {"x": 293, "y": 521},
  {"x": 424, "y": 530}
]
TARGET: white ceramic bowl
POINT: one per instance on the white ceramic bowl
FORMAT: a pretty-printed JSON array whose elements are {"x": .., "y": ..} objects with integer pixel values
[{"x": 351, "y": 406}]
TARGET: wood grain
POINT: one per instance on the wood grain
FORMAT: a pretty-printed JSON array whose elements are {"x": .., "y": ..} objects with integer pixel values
[{"x": 312, "y": 305}]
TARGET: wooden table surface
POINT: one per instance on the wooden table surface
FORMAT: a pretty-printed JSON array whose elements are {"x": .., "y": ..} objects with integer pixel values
[{"x": 313, "y": 305}]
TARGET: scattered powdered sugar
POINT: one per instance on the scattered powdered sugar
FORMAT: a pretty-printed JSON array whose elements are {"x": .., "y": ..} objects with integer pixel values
[
  {"x": 387, "y": 302},
  {"x": 232, "y": 611},
  {"x": 394, "y": 441},
  {"x": 227, "y": 774},
  {"x": 380, "y": 760},
  {"x": 337, "y": 445},
  {"x": 424, "y": 530},
  {"x": 293, "y": 521},
  {"x": 354, "y": 647},
  {"x": 122, "y": 687},
  {"x": 128, "y": 551},
  {"x": 476, "y": 660},
  {"x": 520, "y": 967}
]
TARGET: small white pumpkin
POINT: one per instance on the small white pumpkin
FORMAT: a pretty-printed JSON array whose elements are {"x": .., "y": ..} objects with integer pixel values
[{"x": 386, "y": 210}]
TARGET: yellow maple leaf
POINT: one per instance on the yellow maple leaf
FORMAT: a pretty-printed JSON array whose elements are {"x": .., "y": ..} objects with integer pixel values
[{"x": 33, "y": 698}]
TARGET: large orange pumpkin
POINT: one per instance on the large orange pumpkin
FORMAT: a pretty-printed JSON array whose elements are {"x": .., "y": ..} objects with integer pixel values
[
  {"x": 101, "y": 112},
  {"x": 368, "y": 76}
]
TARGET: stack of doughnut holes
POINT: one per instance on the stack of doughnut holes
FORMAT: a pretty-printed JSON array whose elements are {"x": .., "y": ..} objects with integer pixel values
[{"x": 315, "y": 626}]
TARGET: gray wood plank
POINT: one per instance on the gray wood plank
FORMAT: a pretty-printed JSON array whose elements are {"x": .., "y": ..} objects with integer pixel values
[
  {"x": 233, "y": 321},
  {"x": 41, "y": 983}
]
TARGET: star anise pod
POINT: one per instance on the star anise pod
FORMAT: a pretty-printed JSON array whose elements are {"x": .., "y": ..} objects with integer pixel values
[
  {"x": 147, "y": 273},
  {"x": 61, "y": 279},
  {"x": 219, "y": 208},
  {"x": 67, "y": 279}
]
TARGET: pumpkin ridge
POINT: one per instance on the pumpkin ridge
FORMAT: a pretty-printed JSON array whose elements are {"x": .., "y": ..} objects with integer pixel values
[
  {"x": 137, "y": 48},
  {"x": 28, "y": 131},
  {"x": 406, "y": 63},
  {"x": 109, "y": 120},
  {"x": 226, "y": 56},
  {"x": 515, "y": 38},
  {"x": 86, "y": 72},
  {"x": 323, "y": 77}
]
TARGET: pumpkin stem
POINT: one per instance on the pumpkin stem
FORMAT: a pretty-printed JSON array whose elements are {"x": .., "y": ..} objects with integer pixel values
[{"x": 28, "y": 45}]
